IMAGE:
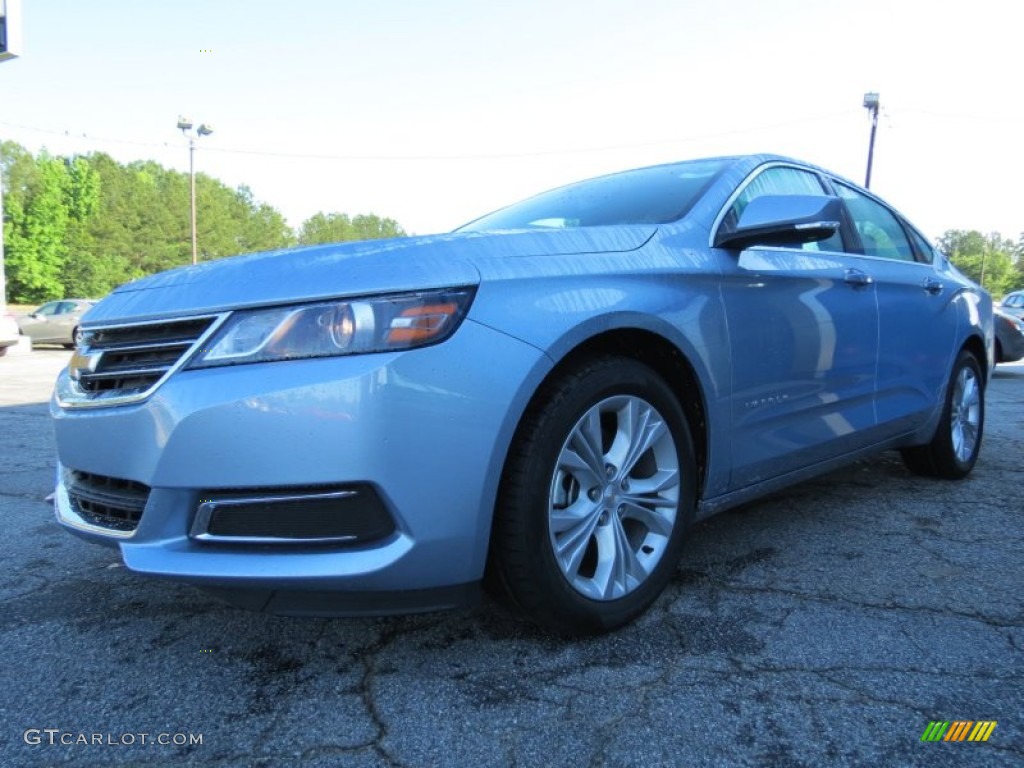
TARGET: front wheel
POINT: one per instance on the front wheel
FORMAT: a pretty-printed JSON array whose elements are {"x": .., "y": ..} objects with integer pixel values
[
  {"x": 596, "y": 494},
  {"x": 953, "y": 450}
]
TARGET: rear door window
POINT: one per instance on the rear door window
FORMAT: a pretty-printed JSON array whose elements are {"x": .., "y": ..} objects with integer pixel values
[{"x": 881, "y": 233}]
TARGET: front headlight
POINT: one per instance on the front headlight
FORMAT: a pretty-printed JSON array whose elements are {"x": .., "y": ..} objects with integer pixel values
[{"x": 341, "y": 327}]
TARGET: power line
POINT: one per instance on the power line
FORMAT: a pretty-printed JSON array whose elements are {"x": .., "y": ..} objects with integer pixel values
[
  {"x": 965, "y": 117},
  {"x": 75, "y": 135},
  {"x": 534, "y": 153},
  {"x": 439, "y": 157},
  {"x": 668, "y": 141}
]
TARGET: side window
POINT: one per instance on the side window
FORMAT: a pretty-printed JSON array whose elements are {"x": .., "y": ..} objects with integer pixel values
[
  {"x": 782, "y": 181},
  {"x": 924, "y": 250},
  {"x": 50, "y": 308},
  {"x": 880, "y": 231},
  {"x": 65, "y": 307}
]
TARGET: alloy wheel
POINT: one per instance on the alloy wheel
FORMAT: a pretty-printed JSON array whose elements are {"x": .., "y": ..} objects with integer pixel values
[
  {"x": 613, "y": 498},
  {"x": 966, "y": 415}
]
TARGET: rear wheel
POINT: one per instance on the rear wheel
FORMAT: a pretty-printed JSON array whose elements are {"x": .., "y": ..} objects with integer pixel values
[
  {"x": 953, "y": 450},
  {"x": 75, "y": 336},
  {"x": 595, "y": 497}
]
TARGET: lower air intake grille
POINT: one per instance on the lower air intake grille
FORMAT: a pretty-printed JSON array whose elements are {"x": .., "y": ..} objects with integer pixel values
[
  {"x": 107, "y": 502},
  {"x": 298, "y": 516}
]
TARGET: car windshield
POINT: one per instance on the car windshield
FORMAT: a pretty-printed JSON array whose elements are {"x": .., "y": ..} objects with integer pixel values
[{"x": 655, "y": 195}]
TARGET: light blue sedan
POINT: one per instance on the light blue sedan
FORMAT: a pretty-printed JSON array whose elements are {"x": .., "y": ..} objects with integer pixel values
[{"x": 548, "y": 397}]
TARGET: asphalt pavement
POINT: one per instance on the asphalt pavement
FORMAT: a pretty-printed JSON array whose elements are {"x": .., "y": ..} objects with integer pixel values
[{"x": 826, "y": 625}]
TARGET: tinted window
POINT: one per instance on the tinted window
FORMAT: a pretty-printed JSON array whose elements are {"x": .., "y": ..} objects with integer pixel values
[
  {"x": 646, "y": 196},
  {"x": 925, "y": 251},
  {"x": 782, "y": 181},
  {"x": 880, "y": 231}
]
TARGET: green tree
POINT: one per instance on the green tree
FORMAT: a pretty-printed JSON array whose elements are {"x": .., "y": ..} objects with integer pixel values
[
  {"x": 1018, "y": 267},
  {"x": 261, "y": 227},
  {"x": 338, "y": 227},
  {"x": 231, "y": 221},
  {"x": 82, "y": 275},
  {"x": 144, "y": 222},
  {"x": 34, "y": 234},
  {"x": 20, "y": 177},
  {"x": 988, "y": 260},
  {"x": 80, "y": 226}
]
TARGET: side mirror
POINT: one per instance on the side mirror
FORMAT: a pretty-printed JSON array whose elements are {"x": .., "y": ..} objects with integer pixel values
[{"x": 783, "y": 220}]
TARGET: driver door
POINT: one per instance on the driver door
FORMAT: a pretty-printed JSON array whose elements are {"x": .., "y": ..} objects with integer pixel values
[{"x": 803, "y": 335}]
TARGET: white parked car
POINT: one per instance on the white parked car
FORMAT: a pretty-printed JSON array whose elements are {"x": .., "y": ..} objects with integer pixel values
[{"x": 9, "y": 333}]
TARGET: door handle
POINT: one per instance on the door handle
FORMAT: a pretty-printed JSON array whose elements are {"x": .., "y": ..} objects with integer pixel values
[
  {"x": 933, "y": 286},
  {"x": 857, "y": 278}
]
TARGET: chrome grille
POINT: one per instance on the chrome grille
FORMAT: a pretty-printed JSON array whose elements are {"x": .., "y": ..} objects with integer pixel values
[
  {"x": 106, "y": 502},
  {"x": 119, "y": 364}
]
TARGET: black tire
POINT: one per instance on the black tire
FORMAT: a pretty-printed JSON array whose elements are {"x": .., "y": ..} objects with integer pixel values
[
  {"x": 625, "y": 531},
  {"x": 953, "y": 450}
]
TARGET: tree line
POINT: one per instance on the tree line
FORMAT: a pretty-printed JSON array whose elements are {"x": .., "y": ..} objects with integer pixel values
[
  {"x": 80, "y": 226},
  {"x": 990, "y": 260}
]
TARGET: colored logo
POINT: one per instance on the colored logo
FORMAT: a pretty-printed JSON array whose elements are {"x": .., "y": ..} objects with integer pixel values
[{"x": 958, "y": 730}]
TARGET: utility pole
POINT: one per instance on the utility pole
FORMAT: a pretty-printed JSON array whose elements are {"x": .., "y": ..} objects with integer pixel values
[
  {"x": 871, "y": 103},
  {"x": 185, "y": 126}
]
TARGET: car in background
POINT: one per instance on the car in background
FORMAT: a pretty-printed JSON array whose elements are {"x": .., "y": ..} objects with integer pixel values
[
  {"x": 551, "y": 395},
  {"x": 1009, "y": 337},
  {"x": 1013, "y": 304},
  {"x": 9, "y": 332},
  {"x": 55, "y": 322}
]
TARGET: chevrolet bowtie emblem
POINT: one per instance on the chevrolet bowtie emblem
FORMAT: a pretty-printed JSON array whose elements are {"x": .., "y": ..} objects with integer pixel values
[{"x": 83, "y": 363}]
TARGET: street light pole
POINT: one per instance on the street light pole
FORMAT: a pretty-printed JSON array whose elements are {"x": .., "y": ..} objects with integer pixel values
[
  {"x": 871, "y": 103},
  {"x": 185, "y": 126},
  {"x": 192, "y": 192}
]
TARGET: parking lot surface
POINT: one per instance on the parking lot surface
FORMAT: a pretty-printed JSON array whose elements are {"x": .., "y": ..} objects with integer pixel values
[{"x": 826, "y": 625}]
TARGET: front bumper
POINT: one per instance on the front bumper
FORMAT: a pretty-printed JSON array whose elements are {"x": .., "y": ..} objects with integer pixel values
[{"x": 425, "y": 429}]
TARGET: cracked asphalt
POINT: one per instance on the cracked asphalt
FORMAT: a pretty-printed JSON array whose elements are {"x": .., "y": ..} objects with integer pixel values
[{"x": 825, "y": 625}]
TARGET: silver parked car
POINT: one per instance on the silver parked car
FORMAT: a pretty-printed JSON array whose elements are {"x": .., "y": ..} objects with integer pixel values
[
  {"x": 1013, "y": 304},
  {"x": 56, "y": 322}
]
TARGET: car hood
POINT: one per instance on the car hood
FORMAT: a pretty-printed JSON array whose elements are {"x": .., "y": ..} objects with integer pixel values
[{"x": 346, "y": 269}]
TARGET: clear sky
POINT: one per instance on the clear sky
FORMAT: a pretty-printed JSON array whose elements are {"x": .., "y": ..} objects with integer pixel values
[{"x": 434, "y": 112}]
